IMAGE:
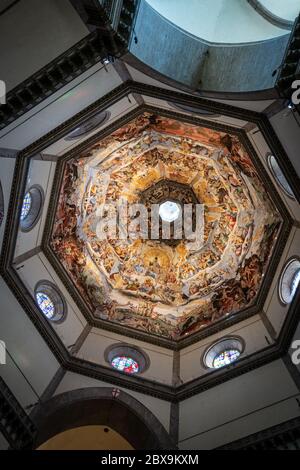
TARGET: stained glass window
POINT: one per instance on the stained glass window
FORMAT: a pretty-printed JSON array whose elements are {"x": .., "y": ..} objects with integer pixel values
[
  {"x": 226, "y": 357},
  {"x": 295, "y": 283},
  {"x": 279, "y": 176},
  {"x": 289, "y": 281},
  {"x": 45, "y": 304},
  {"x": 125, "y": 364},
  {"x": 27, "y": 201}
]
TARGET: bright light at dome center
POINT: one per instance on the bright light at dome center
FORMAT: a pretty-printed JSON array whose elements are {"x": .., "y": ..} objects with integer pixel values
[{"x": 169, "y": 211}]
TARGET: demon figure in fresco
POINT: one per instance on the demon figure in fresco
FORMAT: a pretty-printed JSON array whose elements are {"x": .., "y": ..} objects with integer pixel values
[{"x": 166, "y": 289}]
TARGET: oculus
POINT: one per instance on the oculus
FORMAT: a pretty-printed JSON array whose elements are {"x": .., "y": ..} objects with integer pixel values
[
  {"x": 223, "y": 352},
  {"x": 126, "y": 358},
  {"x": 88, "y": 126},
  {"x": 193, "y": 110},
  {"x": 172, "y": 200},
  {"x": 279, "y": 176},
  {"x": 50, "y": 301},
  {"x": 289, "y": 281},
  {"x": 225, "y": 358},
  {"x": 31, "y": 208},
  {"x": 169, "y": 211},
  {"x": 45, "y": 304},
  {"x": 26, "y": 206},
  {"x": 166, "y": 289},
  {"x": 125, "y": 364}
]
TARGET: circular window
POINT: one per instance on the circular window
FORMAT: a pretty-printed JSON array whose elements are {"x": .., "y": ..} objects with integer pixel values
[
  {"x": 50, "y": 301},
  {"x": 127, "y": 359},
  {"x": 169, "y": 211},
  {"x": 193, "y": 109},
  {"x": 289, "y": 281},
  {"x": 279, "y": 176},
  {"x": 27, "y": 201},
  {"x": 45, "y": 304},
  {"x": 89, "y": 125},
  {"x": 1, "y": 205},
  {"x": 31, "y": 208},
  {"x": 223, "y": 353},
  {"x": 225, "y": 358},
  {"x": 125, "y": 364}
]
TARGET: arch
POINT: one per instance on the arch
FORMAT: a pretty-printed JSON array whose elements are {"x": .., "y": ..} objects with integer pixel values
[{"x": 103, "y": 406}]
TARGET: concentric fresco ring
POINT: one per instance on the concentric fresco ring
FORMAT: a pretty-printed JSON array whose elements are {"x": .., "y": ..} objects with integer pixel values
[{"x": 167, "y": 288}]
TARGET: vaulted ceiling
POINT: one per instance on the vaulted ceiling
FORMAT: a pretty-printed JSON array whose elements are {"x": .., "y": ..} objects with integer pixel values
[
  {"x": 169, "y": 290},
  {"x": 154, "y": 147}
]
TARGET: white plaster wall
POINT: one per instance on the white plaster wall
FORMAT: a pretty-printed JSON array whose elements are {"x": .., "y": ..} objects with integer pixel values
[
  {"x": 287, "y": 9},
  {"x": 52, "y": 24},
  {"x": 274, "y": 309},
  {"x": 224, "y": 21},
  {"x": 116, "y": 111},
  {"x": 41, "y": 173},
  {"x": 161, "y": 360},
  {"x": 37, "y": 269},
  {"x": 252, "y": 331},
  {"x": 62, "y": 105},
  {"x": 288, "y": 132},
  {"x": 30, "y": 365},
  {"x": 237, "y": 408},
  {"x": 263, "y": 150}
]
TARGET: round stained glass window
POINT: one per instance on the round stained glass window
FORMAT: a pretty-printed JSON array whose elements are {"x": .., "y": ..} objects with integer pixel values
[
  {"x": 279, "y": 176},
  {"x": 125, "y": 364},
  {"x": 45, "y": 304},
  {"x": 223, "y": 352},
  {"x": 289, "y": 281},
  {"x": 26, "y": 206},
  {"x": 89, "y": 125},
  {"x": 31, "y": 208},
  {"x": 50, "y": 301},
  {"x": 225, "y": 358}
]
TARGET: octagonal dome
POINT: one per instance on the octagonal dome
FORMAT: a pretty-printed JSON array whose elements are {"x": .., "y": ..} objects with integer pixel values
[{"x": 147, "y": 284}]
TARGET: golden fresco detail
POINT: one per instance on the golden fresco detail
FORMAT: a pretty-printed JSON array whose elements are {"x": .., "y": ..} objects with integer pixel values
[{"x": 149, "y": 285}]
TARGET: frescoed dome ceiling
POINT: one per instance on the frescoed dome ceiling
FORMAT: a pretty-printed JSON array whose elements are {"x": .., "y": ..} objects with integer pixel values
[{"x": 170, "y": 288}]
